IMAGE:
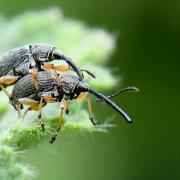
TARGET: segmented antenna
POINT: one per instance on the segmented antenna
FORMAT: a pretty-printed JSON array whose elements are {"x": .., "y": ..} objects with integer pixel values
[
  {"x": 127, "y": 89},
  {"x": 110, "y": 103},
  {"x": 88, "y": 72}
]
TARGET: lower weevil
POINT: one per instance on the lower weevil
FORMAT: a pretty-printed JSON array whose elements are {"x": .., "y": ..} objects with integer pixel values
[{"x": 71, "y": 87}]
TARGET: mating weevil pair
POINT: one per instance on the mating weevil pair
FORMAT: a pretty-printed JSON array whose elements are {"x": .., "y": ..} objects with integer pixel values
[{"x": 39, "y": 88}]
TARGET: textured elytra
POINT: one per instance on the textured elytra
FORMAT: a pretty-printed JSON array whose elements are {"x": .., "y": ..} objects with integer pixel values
[
  {"x": 13, "y": 59},
  {"x": 25, "y": 88},
  {"x": 48, "y": 85},
  {"x": 18, "y": 61}
]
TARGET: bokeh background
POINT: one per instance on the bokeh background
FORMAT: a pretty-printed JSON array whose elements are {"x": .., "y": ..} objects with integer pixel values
[{"x": 147, "y": 56}]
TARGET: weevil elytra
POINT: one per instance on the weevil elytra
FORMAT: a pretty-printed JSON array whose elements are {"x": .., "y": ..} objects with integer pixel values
[
  {"x": 30, "y": 59},
  {"x": 71, "y": 87}
]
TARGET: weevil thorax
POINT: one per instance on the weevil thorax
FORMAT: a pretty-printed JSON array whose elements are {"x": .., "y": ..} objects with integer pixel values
[
  {"x": 42, "y": 52},
  {"x": 70, "y": 86}
]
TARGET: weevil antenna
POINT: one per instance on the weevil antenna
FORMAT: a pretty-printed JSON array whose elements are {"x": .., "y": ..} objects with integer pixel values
[
  {"x": 110, "y": 103},
  {"x": 127, "y": 89},
  {"x": 88, "y": 72}
]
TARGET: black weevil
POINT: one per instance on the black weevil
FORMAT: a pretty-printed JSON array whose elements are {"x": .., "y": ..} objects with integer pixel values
[{"x": 71, "y": 87}]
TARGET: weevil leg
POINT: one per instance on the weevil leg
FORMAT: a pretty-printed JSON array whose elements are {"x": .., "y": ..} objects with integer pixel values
[
  {"x": 44, "y": 98},
  {"x": 49, "y": 66},
  {"x": 8, "y": 79},
  {"x": 29, "y": 102},
  {"x": 56, "y": 78},
  {"x": 62, "y": 68},
  {"x": 33, "y": 105},
  {"x": 26, "y": 111},
  {"x": 36, "y": 106},
  {"x": 90, "y": 110},
  {"x": 48, "y": 98},
  {"x": 67, "y": 107},
  {"x": 40, "y": 114},
  {"x": 81, "y": 96},
  {"x": 63, "y": 106},
  {"x": 18, "y": 110},
  {"x": 5, "y": 91},
  {"x": 33, "y": 76}
]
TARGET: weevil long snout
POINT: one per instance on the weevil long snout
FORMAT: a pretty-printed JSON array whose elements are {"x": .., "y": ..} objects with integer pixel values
[{"x": 58, "y": 55}]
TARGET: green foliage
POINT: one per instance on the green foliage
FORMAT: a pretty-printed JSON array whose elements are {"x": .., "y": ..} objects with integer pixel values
[{"x": 90, "y": 48}]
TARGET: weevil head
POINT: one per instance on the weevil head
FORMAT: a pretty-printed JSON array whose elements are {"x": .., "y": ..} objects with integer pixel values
[
  {"x": 42, "y": 52},
  {"x": 71, "y": 86}
]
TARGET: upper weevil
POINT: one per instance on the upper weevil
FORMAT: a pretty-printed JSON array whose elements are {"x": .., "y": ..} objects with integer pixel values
[
  {"x": 71, "y": 87},
  {"x": 30, "y": 59}
]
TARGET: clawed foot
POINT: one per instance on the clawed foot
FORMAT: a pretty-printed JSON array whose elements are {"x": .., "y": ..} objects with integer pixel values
[
  {"x": 53, "y": 138},
  {"x": 42, "y": 124},
  {"x": 67, "y": 111},
  {"x": 92, "y": 120}
]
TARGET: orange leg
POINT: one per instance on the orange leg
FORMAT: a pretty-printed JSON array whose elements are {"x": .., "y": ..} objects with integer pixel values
[
  {"x": 33, "y": 76},
  {"x": 37, "y": 106},
  {"x": 29, "y": 102},
  {"x": 63, "y": 106},
  {"x": 48, "y": 98},
  {"x": 81, "y": 96},
  {"x": 57, "y": 78},
  {"x": 49, "y": 66},
  {"x": 90, "y": 110},
  {"x": 33, "y": 105},
  {"x": 28, "y": 109},
  {"x": 7, "y": 80},
  {"x": 18, "y": 110}
]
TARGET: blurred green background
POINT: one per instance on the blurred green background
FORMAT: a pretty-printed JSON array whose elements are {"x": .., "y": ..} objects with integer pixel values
[{"x": 147, "y": 56}]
